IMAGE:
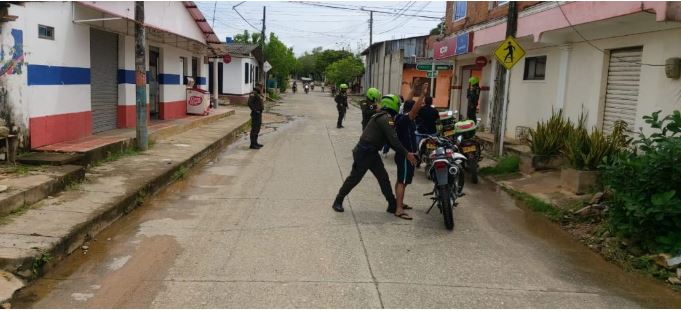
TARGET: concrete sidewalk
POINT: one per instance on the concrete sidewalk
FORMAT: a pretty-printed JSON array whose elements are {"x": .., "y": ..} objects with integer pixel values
[{"x": 32, "y": 242}]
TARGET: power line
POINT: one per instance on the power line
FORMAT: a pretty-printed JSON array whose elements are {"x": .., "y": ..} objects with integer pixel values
[
  {"x": 379, "y": 7},
  {"x": 360, "y": 9},
  {"x": 245, "y": 20},
  {"x": 560, "y": 7},
  {"x": 400, "y": 24}
]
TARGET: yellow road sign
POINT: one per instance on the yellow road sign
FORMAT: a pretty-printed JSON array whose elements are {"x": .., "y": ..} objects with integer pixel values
[{"x": 509, "y": 52}]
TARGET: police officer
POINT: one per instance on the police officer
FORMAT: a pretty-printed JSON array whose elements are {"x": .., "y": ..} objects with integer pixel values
[
  {"x": 379, "y": 131},
  {"x": 369, "y": 105},
  {"x": 473, "y": 96},
  {"x": 255, "y": 102},
  {"x": 341, "y": 104}
]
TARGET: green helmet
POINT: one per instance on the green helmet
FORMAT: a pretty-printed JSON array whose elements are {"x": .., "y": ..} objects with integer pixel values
[
  {"x": 473, "y": 81},
  {"x": 343, "y": 86},
  {"x": 373, "y": 94},
  {"x": 391, "y": 102}
]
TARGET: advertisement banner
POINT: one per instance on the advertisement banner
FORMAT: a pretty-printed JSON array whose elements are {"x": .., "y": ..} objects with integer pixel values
[{"x": 445, "y": 48}]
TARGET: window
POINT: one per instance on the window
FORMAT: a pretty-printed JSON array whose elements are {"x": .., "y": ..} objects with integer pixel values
[
  {"x": 252, "y": 73},
  {"x": 460, "y": 10},
  {"x": 535, "y": 68},
  {"x": 494, "y": 4},
  {"x": 45, "y": 32},
  {"x": 247, "y": 71}
]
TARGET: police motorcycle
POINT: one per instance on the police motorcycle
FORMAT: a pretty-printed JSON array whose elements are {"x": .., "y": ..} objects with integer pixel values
[
  {"x": 464, "y": 138},
  {"x": 307, "y": 88},
  {"x": 446, "y": 172},
  {"x": 428, "y": 143},
  {"x": 462, "y": 134}
]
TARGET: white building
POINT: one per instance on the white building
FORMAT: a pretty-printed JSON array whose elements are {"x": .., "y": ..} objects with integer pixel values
[
  {"x": 606, "y": 59},
  {"x": 72, "y": 65},
  {"x": 237, "y": 78}
]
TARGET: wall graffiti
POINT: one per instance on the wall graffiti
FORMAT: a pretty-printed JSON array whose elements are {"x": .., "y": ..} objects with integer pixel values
[{"x": 14, "y": 64}]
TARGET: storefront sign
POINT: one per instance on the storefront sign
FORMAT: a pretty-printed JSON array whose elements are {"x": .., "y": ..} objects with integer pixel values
[
  {"x": 445, "y": 48},
  {"x": 481, "y": 61},
  {"x": 463, "y": 43}
]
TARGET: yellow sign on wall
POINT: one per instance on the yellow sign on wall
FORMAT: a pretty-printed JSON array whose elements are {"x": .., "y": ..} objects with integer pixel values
[{"x": 509, "y": 52}]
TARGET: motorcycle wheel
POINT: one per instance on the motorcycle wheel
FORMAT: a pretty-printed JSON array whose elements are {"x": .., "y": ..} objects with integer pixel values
[
  {"x": 445, "y": 198},
  {"x": 473, "y": 167}
]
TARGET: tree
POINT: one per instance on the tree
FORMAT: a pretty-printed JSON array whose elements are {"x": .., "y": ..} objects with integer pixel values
[
  {"x": 281, "y": 58},
  {"x": 244, "y": 37},
  {"x": 327, "y": 57},
  {"x": 306, "y": 65},
  {"x": 345, "y": 70},
  {"x": 436, "y": 30},
  {"x": 247, "y": 37}
]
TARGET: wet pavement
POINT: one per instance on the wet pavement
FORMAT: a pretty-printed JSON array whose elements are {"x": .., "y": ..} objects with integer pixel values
[{"x": 255, "y": 229}]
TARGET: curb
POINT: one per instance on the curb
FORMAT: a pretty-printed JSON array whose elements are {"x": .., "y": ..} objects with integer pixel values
[
  {"x": 38, "y": 192},
  {"x": 113, "y": 211}
]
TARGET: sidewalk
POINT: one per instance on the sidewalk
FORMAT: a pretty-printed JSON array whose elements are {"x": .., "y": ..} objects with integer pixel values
[{"x": 51, "y": 229}]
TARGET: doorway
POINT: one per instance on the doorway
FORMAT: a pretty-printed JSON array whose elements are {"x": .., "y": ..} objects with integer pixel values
[
  {"x": 104, "y": 83},
  {"x": 152, "y": 79},
  {"x": 466, "y": 73}
]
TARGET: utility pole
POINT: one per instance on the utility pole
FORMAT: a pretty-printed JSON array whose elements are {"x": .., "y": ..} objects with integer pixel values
[
  {"x": 432, "y": 69},
  {"x": 502, "y": 85},
  {"x": 140, "y": 78},
  {"x": 262, "y": 46},
  {"x": 371, "y": 41}
]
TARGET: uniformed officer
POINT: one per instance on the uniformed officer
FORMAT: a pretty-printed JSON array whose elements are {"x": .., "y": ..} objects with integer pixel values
[
  {"x": 379, "y": 131},
  {"x": 341, "y": 104},
  {"x": 369, "y": 105},
  {"x": 473, "y": 96},
  {"x": 255, "y": 102}
]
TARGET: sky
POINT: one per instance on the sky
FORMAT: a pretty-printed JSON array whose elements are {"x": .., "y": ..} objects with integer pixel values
[{"x": 304, "y": 26}]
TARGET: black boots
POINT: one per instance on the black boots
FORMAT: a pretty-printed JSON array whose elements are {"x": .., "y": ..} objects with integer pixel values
[
  {"x": 392, "y": 206},
  {"x": 338, "y": 204},
  {"x": 255, "y": 146}
]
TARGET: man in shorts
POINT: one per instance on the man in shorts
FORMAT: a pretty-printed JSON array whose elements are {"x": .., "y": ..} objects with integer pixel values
[{"x": 406, "y": 133}]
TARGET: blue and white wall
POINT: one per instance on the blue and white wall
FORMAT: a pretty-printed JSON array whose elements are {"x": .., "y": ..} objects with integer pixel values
[{"x": 46, "y": 83}]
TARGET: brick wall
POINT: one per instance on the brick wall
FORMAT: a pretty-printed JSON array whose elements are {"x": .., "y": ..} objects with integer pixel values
[{"x": 478, "y": 12}]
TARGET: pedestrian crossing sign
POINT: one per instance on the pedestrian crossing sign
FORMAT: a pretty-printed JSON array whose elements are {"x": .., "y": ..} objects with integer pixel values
[{"x": 509, "y": 52}]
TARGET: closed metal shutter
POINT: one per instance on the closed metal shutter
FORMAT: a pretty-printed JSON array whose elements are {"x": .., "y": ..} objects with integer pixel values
[
  {"x": 621, "y": 98},
  {"x": 103, "y": 79}
]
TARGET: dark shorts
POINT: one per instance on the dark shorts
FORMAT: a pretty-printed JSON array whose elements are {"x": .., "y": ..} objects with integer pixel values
[{"x": 405, "y": 171}]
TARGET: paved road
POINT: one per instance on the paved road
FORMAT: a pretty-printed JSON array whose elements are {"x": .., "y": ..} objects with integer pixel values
[{"x": 255, "y": 229}]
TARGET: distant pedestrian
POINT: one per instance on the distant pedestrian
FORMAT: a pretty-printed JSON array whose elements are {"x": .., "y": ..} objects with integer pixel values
[
  {"x": 473, "y": 96},
  {"x": 341, "y": 104},
  {"x": 257, "y": 105}
]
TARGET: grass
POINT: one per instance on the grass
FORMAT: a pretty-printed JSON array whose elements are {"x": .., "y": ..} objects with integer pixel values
[
  {"x": 14, "y": 213},
  {"x": 116, "y": 155},
  {"x": 180, "y": 173},
  {"x": 40, "y": 261},
  {"x": 537, "y": 205},
  {"x": 508, "y": 164}
]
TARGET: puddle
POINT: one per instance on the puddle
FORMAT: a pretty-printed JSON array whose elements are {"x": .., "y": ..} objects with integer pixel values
[{"x": 573, "y": 260}]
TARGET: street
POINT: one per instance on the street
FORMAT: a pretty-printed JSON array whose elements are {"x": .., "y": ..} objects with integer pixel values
[{"x": 255, "y": 229}]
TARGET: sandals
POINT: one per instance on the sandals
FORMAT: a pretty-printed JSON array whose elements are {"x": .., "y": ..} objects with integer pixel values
[{"x": 404, "y": 216}]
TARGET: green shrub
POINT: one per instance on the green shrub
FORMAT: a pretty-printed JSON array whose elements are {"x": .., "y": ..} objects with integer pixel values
[
  {"x": 548, "y": 139},
  {"x": 646, "y": 185},
  {"x": 506, "y": 165},
  {"x": 585, "y": 151}
]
